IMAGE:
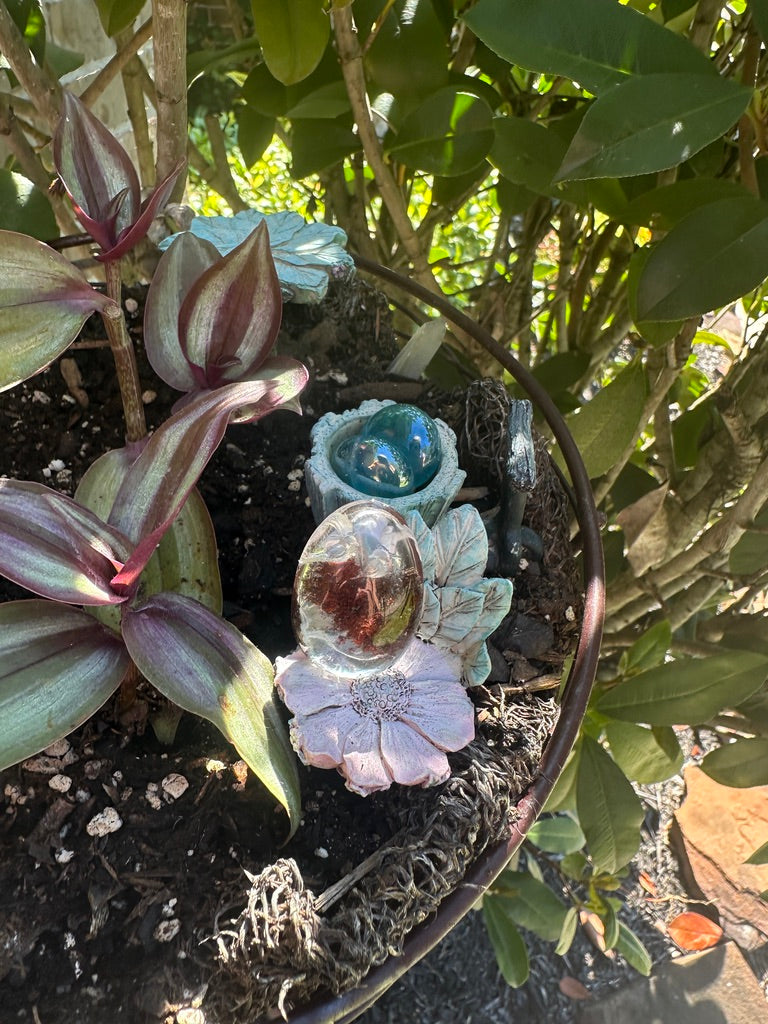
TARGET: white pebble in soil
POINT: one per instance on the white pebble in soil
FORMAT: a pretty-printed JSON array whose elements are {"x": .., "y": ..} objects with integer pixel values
[
  {"x": 104, "y": 822},
  {"x": 60, "y": 783},
  {"x": 174, "y": 786},
  {"x": 167, "y": 931}
]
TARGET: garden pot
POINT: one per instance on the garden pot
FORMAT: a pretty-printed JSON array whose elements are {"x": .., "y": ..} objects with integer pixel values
[
  {"x": 344, "y": 1008},
  {"x": 116, "y": 880}
]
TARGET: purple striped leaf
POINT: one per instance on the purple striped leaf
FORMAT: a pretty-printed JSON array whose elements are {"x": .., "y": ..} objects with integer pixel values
[
  {"x": 206, "y": 666},
  {"x": 44, "y": 301},
  {"x": 55, "y": 548},
  {"x": 157, "y": 484},
  {"x": 229, "y": 319},
  {"x": 179, "y": 267},
  {"x": 57, "y": 667}
]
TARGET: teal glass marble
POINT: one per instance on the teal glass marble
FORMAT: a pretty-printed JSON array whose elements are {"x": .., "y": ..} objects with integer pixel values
[
  {"x": 373, "y": 465},
  {"x": 396, "y": 452},
  {"x": 414, "y": 433}
]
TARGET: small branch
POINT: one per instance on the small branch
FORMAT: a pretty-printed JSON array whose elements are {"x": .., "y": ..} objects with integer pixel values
[
  {"x": 351, "y": 58},
  {"x": 748, "y": 172},
  {"x": 212, "y": 176},
  {"x": 43, "y": 90},
  {"x": 219, "y": 153},
  {"x": 125, "y": 359},
  {"x": 115, "y": 65},
  {"x": 170, "y": 50},
  {"x": 137, "y": 112}
]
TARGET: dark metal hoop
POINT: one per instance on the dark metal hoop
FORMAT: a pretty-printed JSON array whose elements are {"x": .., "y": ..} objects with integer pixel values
[{"x": 348, "y": 1006}]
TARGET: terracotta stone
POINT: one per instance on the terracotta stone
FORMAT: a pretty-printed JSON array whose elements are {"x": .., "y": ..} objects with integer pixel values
[
  {"x": 713, "y": 987},
  {"x": 721, "y": 827}
]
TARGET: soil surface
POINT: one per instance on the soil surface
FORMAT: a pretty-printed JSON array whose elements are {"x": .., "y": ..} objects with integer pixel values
[{"x": 113, "y": 847}]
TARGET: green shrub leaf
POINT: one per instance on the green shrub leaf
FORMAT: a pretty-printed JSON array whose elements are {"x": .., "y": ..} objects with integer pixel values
[
  {"x": 531, "y": 903},
  {"x": 644, "y": 755},
  {"x": 633, "y": 951},
  {"x": 508, "y": 945},
  {"x": 741, "y": 764},
  {"x": 689, "y": 690},
  {"x": 449, "y": 134},
  {"x": 557, "y": 835},
  {"x": 293, "y": 35},
  {"x": 609, "y": 811}
]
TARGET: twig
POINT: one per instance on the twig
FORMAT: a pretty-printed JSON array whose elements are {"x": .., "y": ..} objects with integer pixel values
[
  {"x": 351, "y": 58},
  {"x": 137, "y": 111},
  {"x": 42, "y": 89},
  {"x": 115, "y": 64},
  {"x": 125, "y": 359},
  {"x": 223, "y": 172}
]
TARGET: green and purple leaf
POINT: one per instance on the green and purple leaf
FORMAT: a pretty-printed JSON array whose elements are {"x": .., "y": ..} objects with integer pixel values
[
  {"x": 180, "y": 266},
  {"x": 157, "y": 484},
  {"x": 101, "y": 181},
  {"x": 44, "y": 301},
  {"x": 229, "y": 320},
  {"x": 55, "y": 548},
  {"x": 57, "y": 667},
  {"x": 206, "y": 666}
]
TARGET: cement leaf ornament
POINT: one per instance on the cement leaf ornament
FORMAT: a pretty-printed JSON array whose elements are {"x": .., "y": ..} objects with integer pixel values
[
  {"x": 461, "y": 606},
  {"x": 305, "y": 254}
]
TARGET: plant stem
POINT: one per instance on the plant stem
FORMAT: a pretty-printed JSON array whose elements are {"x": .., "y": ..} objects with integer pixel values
[
  {"x": 115, "y": 65},
  {"x": 44, "y": 91},
  {"x": 170, "y": 47},
  {"x": 125, "y": 359},
  {"x": 351, "y": 58},
  {"x": 137, "y": 111},
  {"x": 219, "y": 153}
]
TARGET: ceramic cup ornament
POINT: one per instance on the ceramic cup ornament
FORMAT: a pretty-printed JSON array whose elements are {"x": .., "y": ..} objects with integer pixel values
[
  {"x": 359, "y": 590},
  {"x": 385, "y": 450}
]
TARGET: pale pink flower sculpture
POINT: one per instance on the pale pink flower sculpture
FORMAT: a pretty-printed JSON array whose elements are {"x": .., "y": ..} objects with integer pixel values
[{"x": 394, "y": 726}]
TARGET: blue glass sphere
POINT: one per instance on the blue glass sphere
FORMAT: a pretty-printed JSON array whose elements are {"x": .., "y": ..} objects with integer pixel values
[
  {"x": 412, "y": 431},
  {"x": 373, "y": 465}
]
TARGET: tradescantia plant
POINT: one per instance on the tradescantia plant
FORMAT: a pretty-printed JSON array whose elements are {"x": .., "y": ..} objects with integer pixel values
[{"x": 109, "y": 566}]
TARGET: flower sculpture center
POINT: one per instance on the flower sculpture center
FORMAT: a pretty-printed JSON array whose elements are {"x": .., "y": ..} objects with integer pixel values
[{"x": 384, "y": 697}]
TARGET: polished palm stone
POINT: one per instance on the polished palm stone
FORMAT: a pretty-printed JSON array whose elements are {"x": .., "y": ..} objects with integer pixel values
[
  {"x": 359, "y": 590},
  {"x": 414, "y": 433},
  {"x": 373, "y": 465}
]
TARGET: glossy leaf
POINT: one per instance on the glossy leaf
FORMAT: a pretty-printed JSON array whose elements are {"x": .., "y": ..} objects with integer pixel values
[
  {"x": 55, "y": 548},
  {"x": 23, "y": 207},
  {"x": 292, "y": 34},
  {"x": 186, "y": 561},
  {"x": 115, "y": 15},
  {"x": 648, "y": 650},
  {"x": 760, "y": 856},
  {"x": 508, "y": 944},
  {"x": 644, "y": 755},
  {"x": 714, "y": 255},
  {"x": 57, "y": 667},
  {"x": 741, "y": 764},
  {"x": 759, "y": 12},
  {"x": 563, "y": 795},
  {"x": 449, "y": 134},
  {"x": 254, "y": 133},
  {"x": 44, "y": 301},
  {"x": 568, "y": 932},
  {"x": 229, "y": 319},
  {"x": 607, "y": 423},
  {"x": 652, "y": 122},
  {"x": 409, "y": 56},
  {"x": 666, "y": 206},
  {"x": 318, "y": 145},
  {"x": 750, "y": 553},
  {"x": 531, "y": 903},
  {"x": 180, "y": 266},
  {"x": 692, "y": 931},
  {"x": 206, "y": 666},
  {"x": 157, "y": 484},
  {"x": 688, "y": 690},
  {"x": 560, "y": 39},
  {"x": 610, "y": 813},
  {"x": 633, "y": 951},
  {"x": 557, "y": 835}
]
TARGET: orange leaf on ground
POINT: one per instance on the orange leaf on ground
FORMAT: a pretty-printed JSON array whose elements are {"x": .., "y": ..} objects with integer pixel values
[
  {"x": 693, "y": 931},
  {"x": 573, "y": 988},
  {"x": 647, "y": 883}
]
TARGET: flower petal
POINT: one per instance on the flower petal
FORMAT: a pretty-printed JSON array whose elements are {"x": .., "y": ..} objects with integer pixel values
[
  {"x": 319, "y": 738},
  {"x": 443, "y": 713},
  {"x": 305, "y": 690},
  {"x": 424, "y": 662},
  {"x": 363, "y": 767},
  {"x": 411, "y": 759}
]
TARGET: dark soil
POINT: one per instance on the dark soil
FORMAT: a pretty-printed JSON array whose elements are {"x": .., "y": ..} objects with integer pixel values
[{"x": 96, "y": 929}]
